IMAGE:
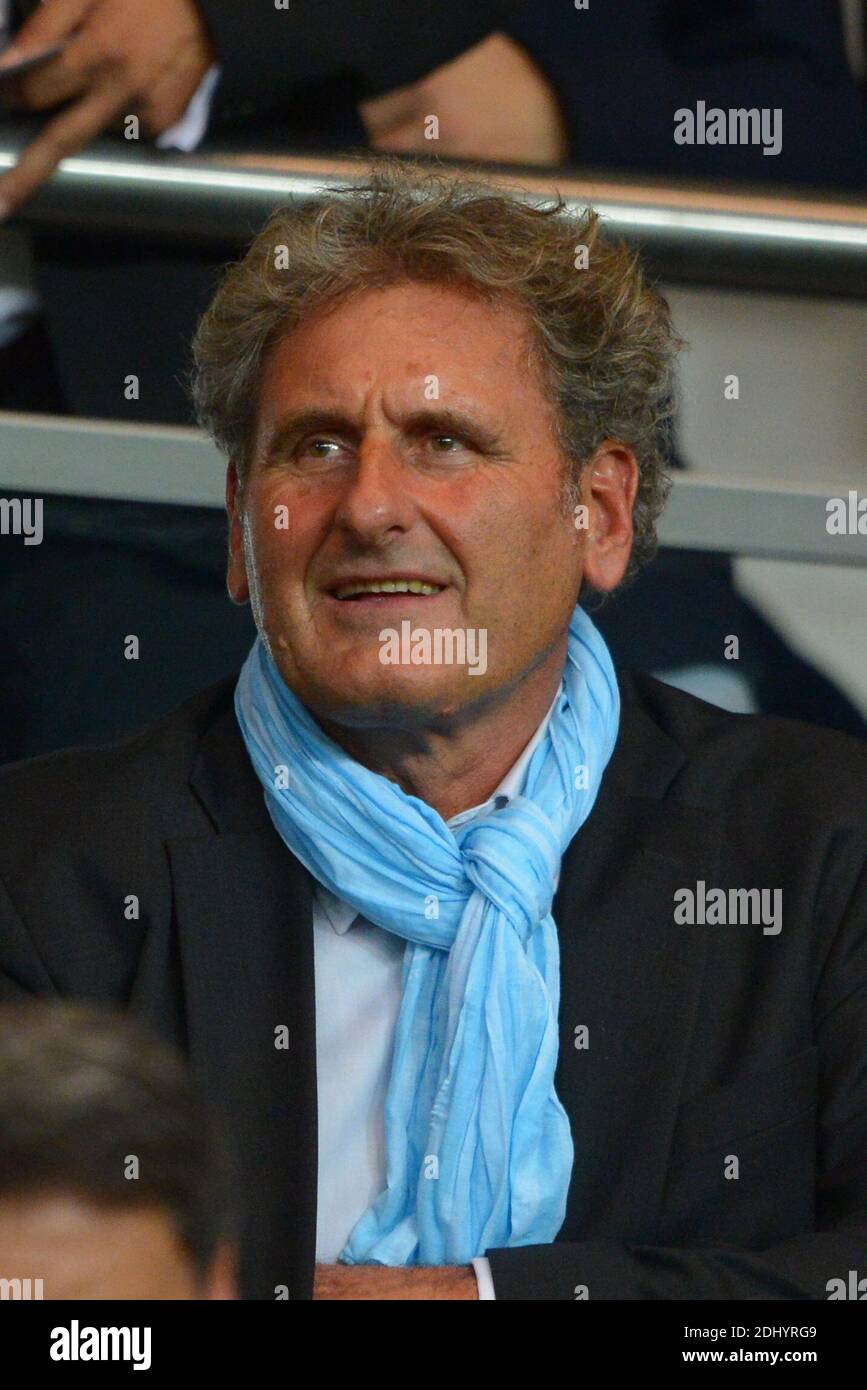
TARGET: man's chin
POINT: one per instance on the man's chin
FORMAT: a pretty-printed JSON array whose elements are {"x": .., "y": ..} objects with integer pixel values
[{"x": 398, "y": 697}]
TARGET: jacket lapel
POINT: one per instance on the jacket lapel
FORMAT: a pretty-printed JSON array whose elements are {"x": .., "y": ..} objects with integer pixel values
[
  {"x": 632, "y": 978},
  {"x": 243, "y": 914}
]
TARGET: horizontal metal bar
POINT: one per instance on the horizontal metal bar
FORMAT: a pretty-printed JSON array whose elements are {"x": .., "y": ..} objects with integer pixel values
[
  {"x": 761, "y": 519},
  {"x": 42, "y": 454},
  {"x": 687, "y": 234},
  {"x": 102, "y": 458}
]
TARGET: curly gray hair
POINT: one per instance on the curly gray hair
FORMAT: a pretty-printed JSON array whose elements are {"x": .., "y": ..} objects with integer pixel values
[{"x": 603, "y": 337}]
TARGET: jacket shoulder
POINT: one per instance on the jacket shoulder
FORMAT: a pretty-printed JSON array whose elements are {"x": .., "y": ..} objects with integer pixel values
[
  {"x": 93, "y": 793},
  {"x": 820, "y": 771}
]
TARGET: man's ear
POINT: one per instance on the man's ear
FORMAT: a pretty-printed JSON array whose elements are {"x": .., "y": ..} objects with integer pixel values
[
  {"x": 609, "y": 484},
  {"x": 236, "y": 572}
]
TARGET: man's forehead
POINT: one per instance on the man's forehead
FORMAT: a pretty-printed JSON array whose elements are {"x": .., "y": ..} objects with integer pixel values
[
  {"x": 404, "y": 325},
  {"x": 478, "y": 367}
]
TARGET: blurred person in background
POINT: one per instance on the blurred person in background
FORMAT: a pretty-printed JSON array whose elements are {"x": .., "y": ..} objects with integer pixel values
[
  {"x": 545, "y": 87},
  {"x": 113, "y": 1181},
  {"x": 182, "y": 67},
  {"x": 618, "y": 71}
]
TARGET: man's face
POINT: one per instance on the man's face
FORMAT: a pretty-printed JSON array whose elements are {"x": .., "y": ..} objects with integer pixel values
[{"x": 404, "y": 437}]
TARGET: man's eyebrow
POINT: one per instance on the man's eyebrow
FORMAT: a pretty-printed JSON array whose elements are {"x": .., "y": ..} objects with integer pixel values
[
  {"x": 443, "y": 420},
  {"x": 435, "y": 421}
]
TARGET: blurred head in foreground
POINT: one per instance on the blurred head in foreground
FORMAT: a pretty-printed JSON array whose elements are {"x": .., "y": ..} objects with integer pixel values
[{"x": 113, "y": 1180}]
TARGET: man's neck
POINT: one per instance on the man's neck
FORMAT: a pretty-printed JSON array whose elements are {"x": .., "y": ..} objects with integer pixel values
[{"x": 454, "y": 769}]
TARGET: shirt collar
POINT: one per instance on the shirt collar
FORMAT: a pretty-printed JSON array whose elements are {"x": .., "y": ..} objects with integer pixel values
[{"x": 341, "y": 915}]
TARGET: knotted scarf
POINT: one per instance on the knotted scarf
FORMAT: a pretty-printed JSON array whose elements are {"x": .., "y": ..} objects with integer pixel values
[{"x": 478, "y": 1147}]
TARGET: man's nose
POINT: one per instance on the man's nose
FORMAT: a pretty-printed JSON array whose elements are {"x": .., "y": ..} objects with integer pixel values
[{"x": 377, "y": 496}]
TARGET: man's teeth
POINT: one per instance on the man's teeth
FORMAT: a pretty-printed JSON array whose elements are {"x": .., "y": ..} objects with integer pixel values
[{"x": 389, "y": 586}]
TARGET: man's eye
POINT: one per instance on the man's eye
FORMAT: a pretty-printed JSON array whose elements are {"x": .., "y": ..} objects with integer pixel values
[
  {"x": 449, "y": 438},
  {"x": 318, "y": 448}
]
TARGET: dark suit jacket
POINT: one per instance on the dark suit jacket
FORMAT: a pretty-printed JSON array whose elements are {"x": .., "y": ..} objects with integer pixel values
[
  {"x": 704, "y": 1041},
  {"x": 269, "y": 54},
  {"x": 623, "y": 67}
]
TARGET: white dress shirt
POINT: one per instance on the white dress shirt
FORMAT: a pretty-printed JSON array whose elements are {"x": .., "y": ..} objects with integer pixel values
[{"x": 358, "y": 973}]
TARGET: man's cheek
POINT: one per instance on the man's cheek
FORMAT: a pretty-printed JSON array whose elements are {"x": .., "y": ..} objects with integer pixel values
[{"x": 278, "y": 549}]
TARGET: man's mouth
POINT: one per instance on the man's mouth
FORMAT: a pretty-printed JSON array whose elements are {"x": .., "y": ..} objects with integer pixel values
[{"x": 368, "y": 589}]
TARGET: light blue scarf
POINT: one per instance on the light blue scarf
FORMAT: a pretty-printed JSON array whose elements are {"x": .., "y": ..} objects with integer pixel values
[{"x": 479, "y": 1152}]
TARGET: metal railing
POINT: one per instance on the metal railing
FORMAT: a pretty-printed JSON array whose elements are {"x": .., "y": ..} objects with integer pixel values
[
  {"x": 42, "y": 454},
  {"x": 687, "y": 233},
  {"x": 217, "y": 201}
]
